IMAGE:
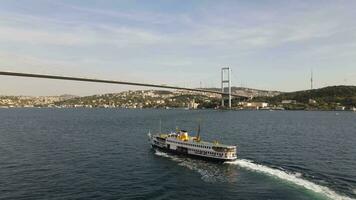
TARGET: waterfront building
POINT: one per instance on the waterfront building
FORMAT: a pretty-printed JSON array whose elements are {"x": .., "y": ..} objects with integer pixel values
[
  {"x": 254, "y": 105},
  {"x": 289, "y": 101}
]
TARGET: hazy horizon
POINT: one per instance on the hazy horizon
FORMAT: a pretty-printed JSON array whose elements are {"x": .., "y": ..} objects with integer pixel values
[{"x": 270, "y": 45}]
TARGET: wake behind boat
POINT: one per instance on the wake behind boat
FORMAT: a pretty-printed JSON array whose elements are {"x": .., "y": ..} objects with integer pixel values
[{"x": 180, "y": 142}]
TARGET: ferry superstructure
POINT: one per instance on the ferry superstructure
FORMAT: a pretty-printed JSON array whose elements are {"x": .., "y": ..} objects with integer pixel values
[{"x": 180, "y": 142}]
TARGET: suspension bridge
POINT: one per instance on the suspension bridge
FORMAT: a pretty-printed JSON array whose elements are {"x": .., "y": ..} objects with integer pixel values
[{"x": 224, "y": 80}]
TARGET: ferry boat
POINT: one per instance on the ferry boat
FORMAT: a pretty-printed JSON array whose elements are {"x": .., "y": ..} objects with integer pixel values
[{"x": 179, "y": 142}]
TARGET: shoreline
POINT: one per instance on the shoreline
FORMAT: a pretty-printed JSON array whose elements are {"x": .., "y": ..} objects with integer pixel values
[{"x": 199, "y": 109}]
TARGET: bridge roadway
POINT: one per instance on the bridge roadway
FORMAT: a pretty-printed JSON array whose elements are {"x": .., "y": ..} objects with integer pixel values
[{"x": 46, "y": 76}]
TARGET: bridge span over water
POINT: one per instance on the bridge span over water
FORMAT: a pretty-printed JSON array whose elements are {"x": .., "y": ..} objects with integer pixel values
[{"x": 70, "y": 78}]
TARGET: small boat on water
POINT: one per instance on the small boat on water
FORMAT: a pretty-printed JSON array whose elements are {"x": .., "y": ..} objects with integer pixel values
[{"x": 179, "y": 142}]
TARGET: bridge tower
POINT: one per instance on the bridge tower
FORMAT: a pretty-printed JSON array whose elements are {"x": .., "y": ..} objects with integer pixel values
[{"x": 225, "y": 79}]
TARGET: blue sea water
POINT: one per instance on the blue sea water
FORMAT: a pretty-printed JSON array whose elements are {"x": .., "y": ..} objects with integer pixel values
[{"x": 104, "y": 154}]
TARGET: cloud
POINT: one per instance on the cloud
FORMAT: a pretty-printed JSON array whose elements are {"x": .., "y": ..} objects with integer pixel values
[
  {"x": 131, "y": 15},
  {"x": 203, "y": 31},
  {"x": 196, "y": 39},
  {"x": 40, "y": 37},
  {"x": 43, "y": 31}
]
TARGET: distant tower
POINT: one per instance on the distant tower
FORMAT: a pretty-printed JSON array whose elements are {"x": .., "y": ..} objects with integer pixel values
[
  {"x": 311, "y": 79},
  {"x": 225, "y": 81}
]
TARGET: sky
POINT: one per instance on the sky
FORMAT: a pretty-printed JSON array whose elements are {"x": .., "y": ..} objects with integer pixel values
[{"x": 270, "y": 45}]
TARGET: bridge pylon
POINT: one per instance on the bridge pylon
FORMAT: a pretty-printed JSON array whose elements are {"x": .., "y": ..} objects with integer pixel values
[{"x": 225, "y": 80}]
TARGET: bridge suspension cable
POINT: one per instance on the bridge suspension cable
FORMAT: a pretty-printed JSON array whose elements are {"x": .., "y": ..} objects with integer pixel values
[{"x": 47, "y": 76}]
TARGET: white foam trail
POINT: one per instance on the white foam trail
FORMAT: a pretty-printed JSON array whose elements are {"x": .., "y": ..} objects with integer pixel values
[
  {"x": 160, "y": 153},
  {"x": 206, "y": 171},
  {"x": 293, "y": 178}
]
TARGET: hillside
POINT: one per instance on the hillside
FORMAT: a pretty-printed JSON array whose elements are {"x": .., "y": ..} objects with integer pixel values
[
  {"x": 343, "y": 95},
  {"x": 144, "y": 99},
  {"x": 250, "y": 92}
]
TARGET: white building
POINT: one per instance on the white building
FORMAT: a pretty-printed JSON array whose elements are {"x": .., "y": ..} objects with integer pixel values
[
  {"x": 312, "y": 101},
  {"x": 340, "y": 108},
  {"x": 193, "y": 105},
  {"x": 289, "y": 101},
  {"x": 254, "y": 105}
]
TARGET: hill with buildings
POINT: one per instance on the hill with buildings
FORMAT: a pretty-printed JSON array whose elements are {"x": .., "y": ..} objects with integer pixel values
[
  {"x": 133, "y": 99},
  {"x": 324, "y": 98},
  {"x": 30, "y": 101},
  {"x": 145, "y": 99},
  {"x": 250, "y": 92},
  {"x": 328, "y": 98}
]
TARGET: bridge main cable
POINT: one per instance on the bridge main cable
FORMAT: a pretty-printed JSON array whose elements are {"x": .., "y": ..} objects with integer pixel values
[{"x": 47, "y": 76}]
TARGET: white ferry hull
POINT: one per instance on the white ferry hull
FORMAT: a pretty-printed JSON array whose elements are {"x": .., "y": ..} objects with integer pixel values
[{"x": 213, "y": 159}]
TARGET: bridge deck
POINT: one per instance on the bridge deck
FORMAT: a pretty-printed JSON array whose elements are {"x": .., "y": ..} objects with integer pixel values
[{"x": 46, "y": 76}]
